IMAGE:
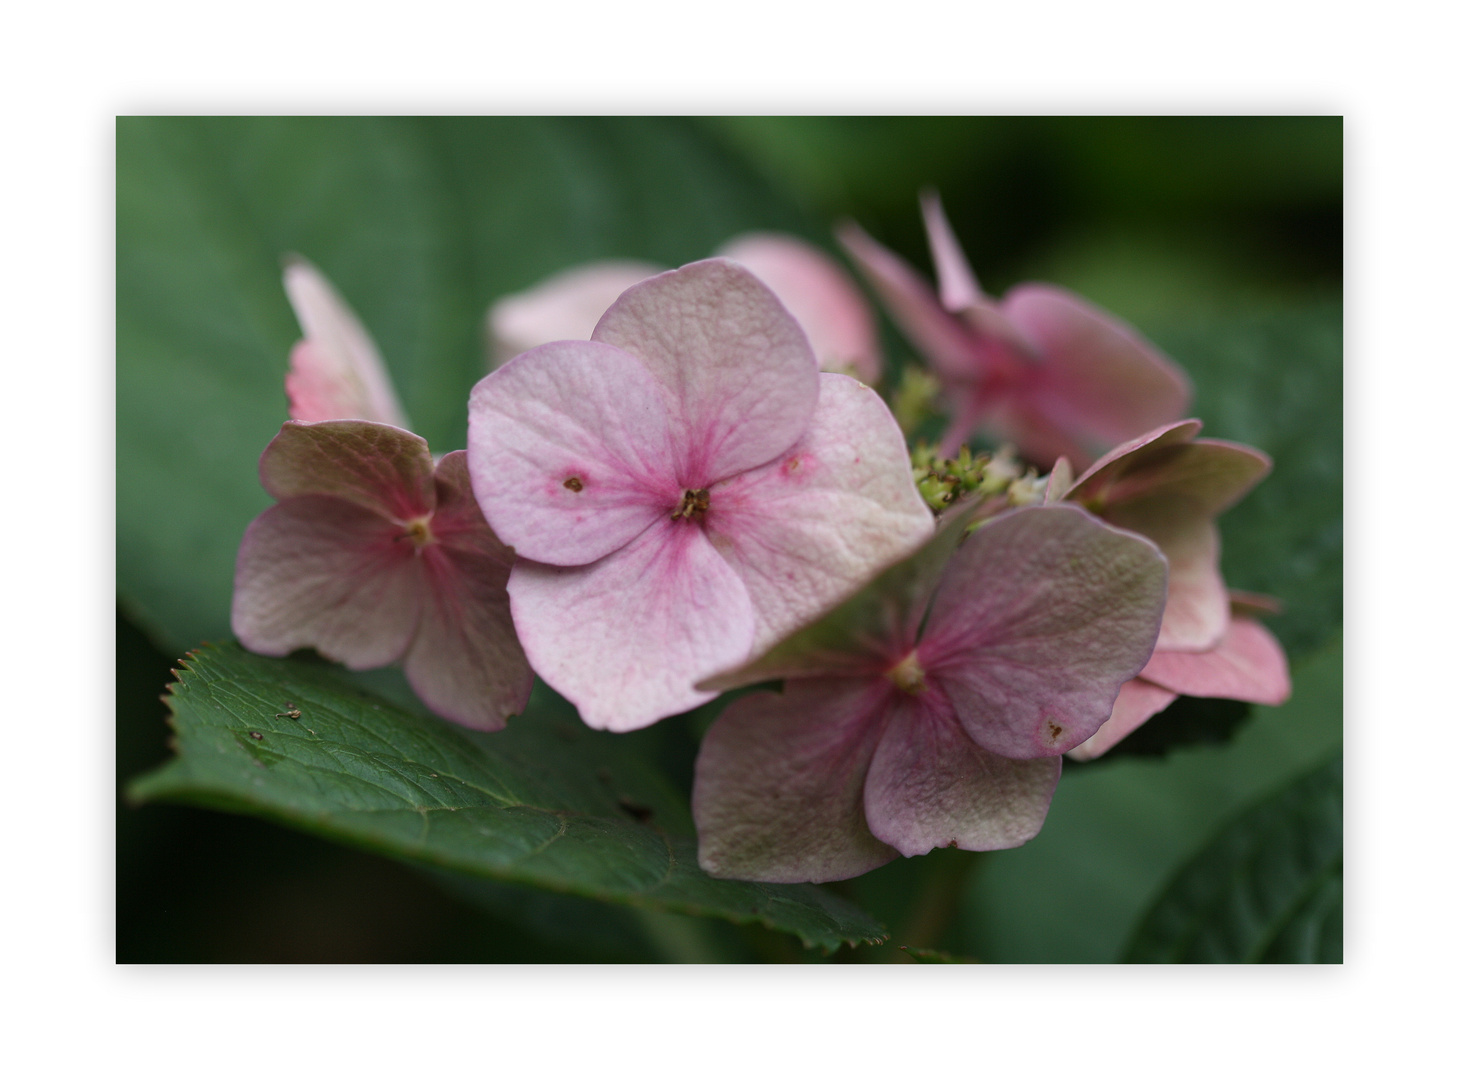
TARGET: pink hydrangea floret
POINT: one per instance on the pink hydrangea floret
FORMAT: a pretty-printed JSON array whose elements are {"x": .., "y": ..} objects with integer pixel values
[
  {"x": 681, "y": 489},
  {"x": 1042, "y": 368},
  {"x": 1170, "y": 486},
  {"x": 931, "y": 708},
  {"x": 374, "y": 553}
]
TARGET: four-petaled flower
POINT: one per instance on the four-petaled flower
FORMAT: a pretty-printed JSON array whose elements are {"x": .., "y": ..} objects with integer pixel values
[
  {"x": 374, "y": 554},
  {"x": 1170, "y": 486},
  {"x": 1042, "y": 368},
  {"x": 830, "y": 309},
  {"x": 930, "y": 709},
  {"x": 682, "y": 489}
]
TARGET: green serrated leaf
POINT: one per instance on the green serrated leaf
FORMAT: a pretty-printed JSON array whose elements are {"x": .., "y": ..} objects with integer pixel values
[
  {"x": 547, "y": 803},
  {"x": 1267, "y": 889}
]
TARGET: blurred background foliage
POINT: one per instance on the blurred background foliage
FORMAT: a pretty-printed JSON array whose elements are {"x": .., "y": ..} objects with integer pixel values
[{"x": 1220, "y": 238}]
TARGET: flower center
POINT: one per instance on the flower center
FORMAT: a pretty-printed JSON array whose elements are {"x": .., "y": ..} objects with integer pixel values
[
  {"x": 908, "y": 675},
  {"x": 418, "y": 532},
  {"x": 695, "y": 502}
]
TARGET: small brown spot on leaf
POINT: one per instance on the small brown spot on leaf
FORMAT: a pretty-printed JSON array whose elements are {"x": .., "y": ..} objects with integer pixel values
[
  {"x": 572, "y": 483},
  {"x": 256, "y": 734}
]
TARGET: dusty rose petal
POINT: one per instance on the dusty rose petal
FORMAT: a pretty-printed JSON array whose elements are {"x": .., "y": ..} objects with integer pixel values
[
  {"x": 626, "y": 638},
  {"x": 957, "y": 288},
  {"x": 738, "y": 376},
  {"x": 825, "y": 301},
  {"x": 323, "y": 572},
  {"x": 1156, "y": 444},
  {"x": 569, "y": 452},
  {"x": 1138, "y": 701},
  {"x": 466, "y": 663},
  {"x": 375, "y": 466},
  {"x": 1098, "y": 375},
  {"x": 807, "y": 529},
  {"x": 930, "y": 786},
  {"x": 779, "y": 779},
  {"x": 1041, "y": 615},
  {"x": 1248, "y": 664},
  {"x": 938, "y": 334},
  {"x": 336, "y": 372},
  {"x": 564, "y": 307}
]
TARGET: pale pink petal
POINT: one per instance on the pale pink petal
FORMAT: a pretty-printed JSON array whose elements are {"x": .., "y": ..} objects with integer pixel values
[
  {"x": 1197, "y": 609},
  {"x": 1099, "y": 378},
  {"x": 739, "y": 379},
  {"x": 569, "y": 452},
  {"x": 836, "y": 319},
  {"x": 1138, "y": 701},
  {"x": 1040, "y": 439},
  {"x": 1041, "y": 615},
  {"x": 335, "y": 373},
  {"x": 807, "y": 529},
  {"x": 778, "y": 783},
  {"x": 564, "y": 307},
  {"x": 940, "y": 336},
  {"x": 1248, "y": 664},
  {"x": 930, "y": 786},
  {"x": 626, "y": 638},
  {"x": 466, "y": 662},
  {"x": 1170, "y": 488},
  {"x": 378, "y": 467},
  {"x": 324, "y": 572},
  {"x": 956, "y": 286}
]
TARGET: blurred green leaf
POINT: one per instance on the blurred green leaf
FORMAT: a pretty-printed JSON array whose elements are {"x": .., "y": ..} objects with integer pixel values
[
  {"x": 421, "y": 223},
  {"x": 1118, "y": 830},
  {"x": 547, "y": 803},
  {"x": 1267, "y": 889}
]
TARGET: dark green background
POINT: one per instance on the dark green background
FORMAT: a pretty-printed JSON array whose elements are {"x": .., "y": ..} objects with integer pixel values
[{"x": 1221, "y": 238}]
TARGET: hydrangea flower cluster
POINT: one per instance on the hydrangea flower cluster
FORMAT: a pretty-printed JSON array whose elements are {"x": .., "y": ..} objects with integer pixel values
[{"x": 674, "y": 486}]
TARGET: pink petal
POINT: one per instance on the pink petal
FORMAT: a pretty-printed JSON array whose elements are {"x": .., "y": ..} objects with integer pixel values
[
  {"x": 564, "y": 307},
  {"x": 778, "y": 783},
  {"x": 377, "y": 467},
  {"x": 1040, "y": 616},
  {"x": 870, "y": 630},
  {"x": 738, "y": 377},
  {"x": 945, "y": 341},
  {"x": 956, "y": 286},
  {"x": 335, "y": 372},
  {"x": 466, "y": 662},
  {"x": 1099, "y": 379},
  {"x": 1197, "y": 609},
  {"x": 626, "y": 638},
  {"x": 1247, "y": 665},
  {"x": 1138, "y": 701},
  {"x": 1153, "y": 446},
  {"x": 930, "y": 786},
  {"x": 808, "y": 528},
  {"x": 569, "y": 452},
  {"x": 825, "y": 301},
  {"x": 324, "y": 572}
]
